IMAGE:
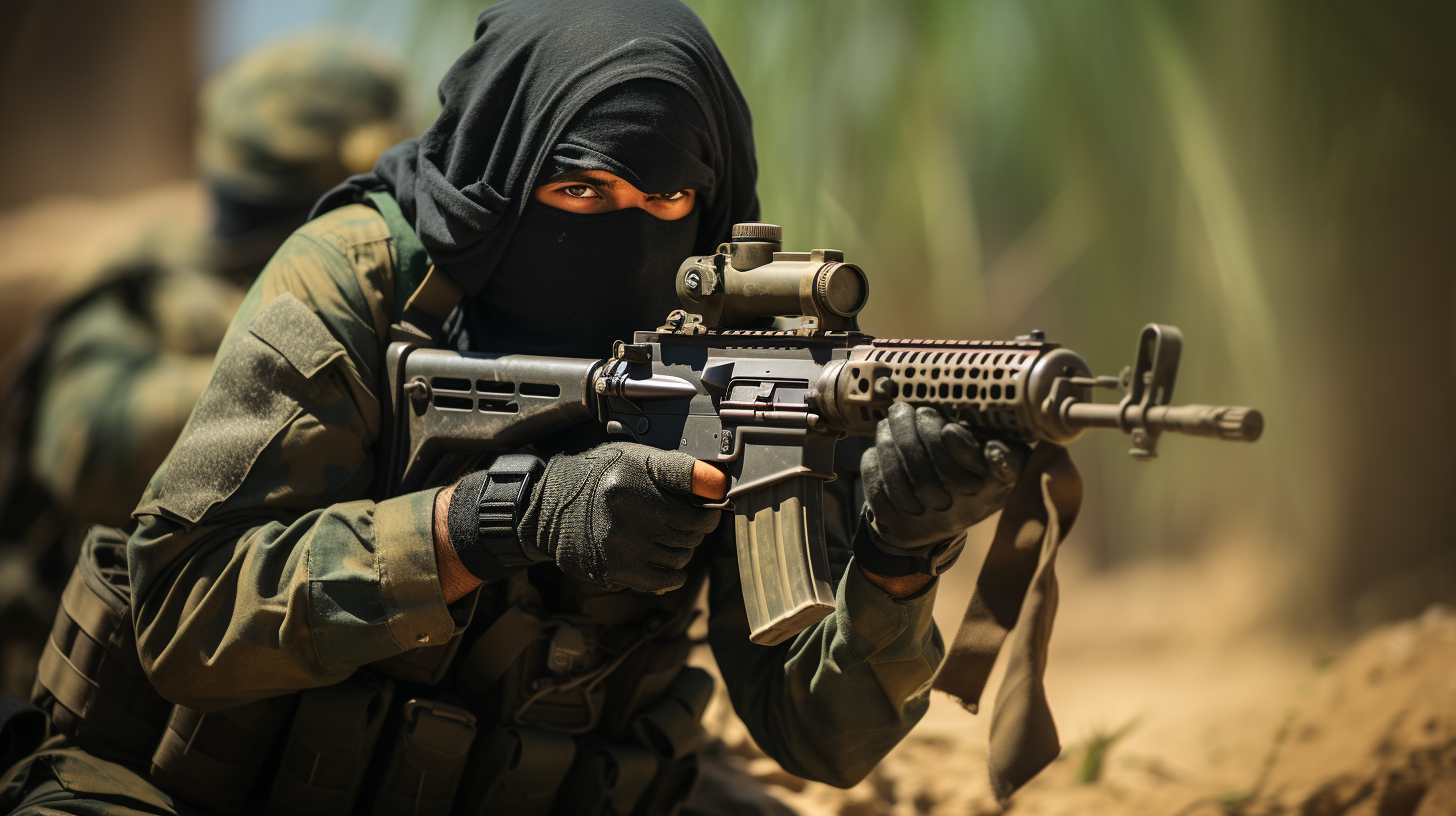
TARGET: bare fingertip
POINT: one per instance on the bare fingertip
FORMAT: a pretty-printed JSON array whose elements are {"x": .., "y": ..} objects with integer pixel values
[{"x": 708, "y": 482}]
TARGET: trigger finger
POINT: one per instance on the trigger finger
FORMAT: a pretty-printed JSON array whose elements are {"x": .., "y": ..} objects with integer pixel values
[{"x": 672, "y": 470}]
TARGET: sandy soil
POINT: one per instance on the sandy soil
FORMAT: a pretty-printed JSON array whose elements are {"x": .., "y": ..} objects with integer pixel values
[{"x": 1175, "y": 694}]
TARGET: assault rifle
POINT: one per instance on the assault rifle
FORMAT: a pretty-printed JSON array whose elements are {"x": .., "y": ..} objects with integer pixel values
[{"x": 760, "y": 373}]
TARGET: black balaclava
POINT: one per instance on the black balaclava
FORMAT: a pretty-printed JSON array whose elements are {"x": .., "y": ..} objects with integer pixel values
[{"x": 634, "y": 87}]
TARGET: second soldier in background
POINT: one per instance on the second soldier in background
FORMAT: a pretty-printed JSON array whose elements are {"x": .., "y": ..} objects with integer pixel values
[{"x": 111, "y": 377}]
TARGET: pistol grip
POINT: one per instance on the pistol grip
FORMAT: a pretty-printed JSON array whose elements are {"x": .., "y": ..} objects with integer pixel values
[{"x": 781, "y": 558}]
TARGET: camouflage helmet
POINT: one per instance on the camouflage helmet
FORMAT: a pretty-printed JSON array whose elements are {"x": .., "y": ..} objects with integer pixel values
[{"x": 286, "y": 122}]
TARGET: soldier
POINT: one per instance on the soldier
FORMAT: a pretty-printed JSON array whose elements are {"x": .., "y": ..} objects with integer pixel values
[
  {"x": 332, "y": 647},
  {"x": 116, "y": 373}
]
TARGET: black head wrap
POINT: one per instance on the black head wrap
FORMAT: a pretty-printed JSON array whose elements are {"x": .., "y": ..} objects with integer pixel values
[
  {"x": 510, "y": 122},
  {"x": 649, "y": 132}
]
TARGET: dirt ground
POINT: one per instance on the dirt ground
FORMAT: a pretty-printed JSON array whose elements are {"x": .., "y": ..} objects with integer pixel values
[{"x": 1175, "y": 694}]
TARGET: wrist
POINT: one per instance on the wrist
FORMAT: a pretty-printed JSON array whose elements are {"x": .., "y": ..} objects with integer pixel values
[
  {"x": 876, "y": 556},
  {"x": 485, "y": 514},
  {"x": 899, "y": 587},
  {"x": 455, "y": 580}
]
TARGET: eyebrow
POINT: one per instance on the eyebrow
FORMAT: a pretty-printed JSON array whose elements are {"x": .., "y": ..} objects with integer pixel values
[{"x": 584, "y": 176}]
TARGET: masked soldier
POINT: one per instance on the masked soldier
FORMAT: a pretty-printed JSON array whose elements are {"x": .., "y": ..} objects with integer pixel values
[
  {"x": 114, "y": 375},
  {"x": 310, "y": 642}
]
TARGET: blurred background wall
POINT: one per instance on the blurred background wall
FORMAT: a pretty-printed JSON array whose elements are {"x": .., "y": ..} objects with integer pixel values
[
  {"x": 1276, "y": 178},
  {"x": 97, "y": 96}
]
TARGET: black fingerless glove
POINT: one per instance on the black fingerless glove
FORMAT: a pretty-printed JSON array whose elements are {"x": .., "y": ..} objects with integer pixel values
[{"x": 620, "y": 515}]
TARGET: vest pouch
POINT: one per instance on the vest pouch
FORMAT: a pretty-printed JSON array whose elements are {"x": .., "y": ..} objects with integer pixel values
[
  {"x": 672, "y": 729},
  {"x": 212, "y": 759},
  {"x": 497, "y": 650},
  {"x": 517, "y": 770},
  {"x": 642, "y": 680},
  {"x": 90, "y": 679},
  {"x": 607, "y": 779},
  {"x": 335, "y": 729},
  {"x": 427, "y": 761}
]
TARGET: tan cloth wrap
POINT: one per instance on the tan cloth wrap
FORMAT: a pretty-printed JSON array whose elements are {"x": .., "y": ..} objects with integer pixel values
[{"x": 1016, "y": 594}]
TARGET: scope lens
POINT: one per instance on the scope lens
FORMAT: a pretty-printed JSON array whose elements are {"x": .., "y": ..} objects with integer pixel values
[{"x": 843, "y": 289}]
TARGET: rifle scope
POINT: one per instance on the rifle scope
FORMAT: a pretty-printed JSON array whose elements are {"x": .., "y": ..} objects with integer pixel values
[{"x": 750, "y": 282}]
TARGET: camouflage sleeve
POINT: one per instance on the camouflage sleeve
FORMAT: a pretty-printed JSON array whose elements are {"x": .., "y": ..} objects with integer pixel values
[
  {"x": 831, "y": 702},
  {"x": 259, "y": 565},
  {"x": 110, "y": 401}
]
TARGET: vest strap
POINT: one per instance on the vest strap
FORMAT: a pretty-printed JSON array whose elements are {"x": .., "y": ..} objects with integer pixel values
[
  {"x": 410, "y": 256},
  {"x": 606, "y": 773},
  {"x": 423, "y": 295},
  {"x": 89, "y": 678},
  {"x": 500, "y": 646}
]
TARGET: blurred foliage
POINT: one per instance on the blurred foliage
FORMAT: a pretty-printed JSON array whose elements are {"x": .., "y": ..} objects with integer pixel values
[
  {"x": 1244, "y": 170},
  {"x": 1096, "y": 750}
]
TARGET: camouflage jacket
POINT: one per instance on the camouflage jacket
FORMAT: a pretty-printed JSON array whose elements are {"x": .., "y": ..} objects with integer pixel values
[{"x": 261, "y": 564}]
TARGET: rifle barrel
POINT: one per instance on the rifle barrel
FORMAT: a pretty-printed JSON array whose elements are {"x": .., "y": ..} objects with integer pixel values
[{"x": 1235, "y": 423}]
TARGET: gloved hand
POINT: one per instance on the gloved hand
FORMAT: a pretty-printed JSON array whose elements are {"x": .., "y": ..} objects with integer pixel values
[
  {"x": 618, "y": 515},
  {"x": 926, "y": 481}
]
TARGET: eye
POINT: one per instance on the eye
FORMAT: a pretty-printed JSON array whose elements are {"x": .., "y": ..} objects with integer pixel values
[
  {"x": 580, "y": 191},
  {"x": 677, "y": 196}
]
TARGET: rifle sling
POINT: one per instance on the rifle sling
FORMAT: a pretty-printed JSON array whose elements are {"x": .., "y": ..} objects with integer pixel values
[{"x": 1016, "y": 595}]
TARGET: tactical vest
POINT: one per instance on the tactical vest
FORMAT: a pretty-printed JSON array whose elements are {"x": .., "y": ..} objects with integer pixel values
[{"x": 561, "y": 698}]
